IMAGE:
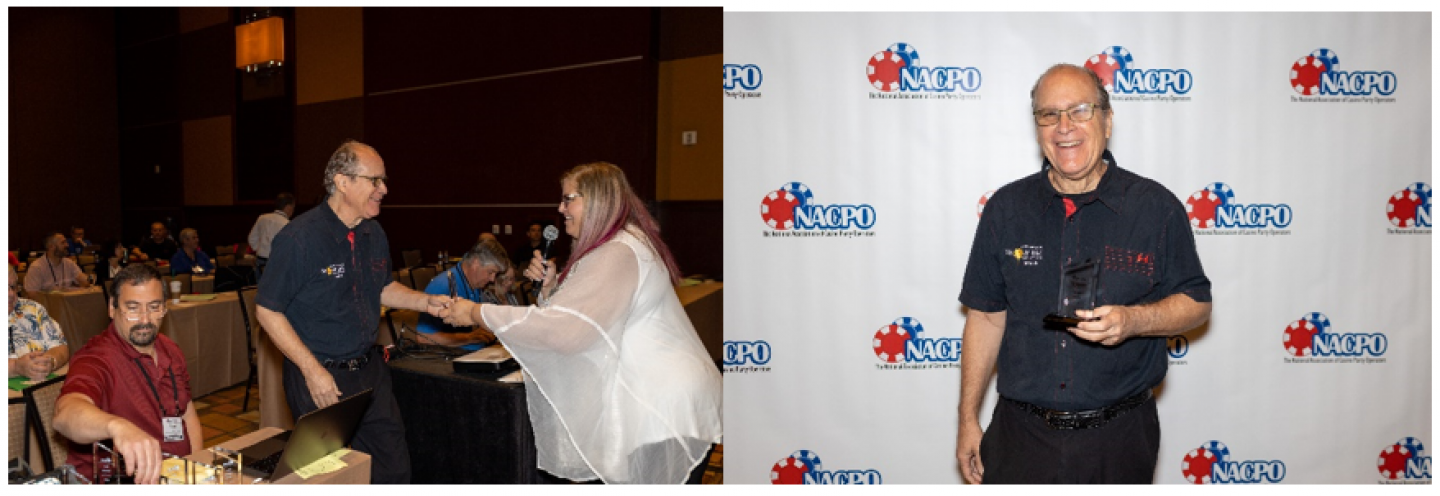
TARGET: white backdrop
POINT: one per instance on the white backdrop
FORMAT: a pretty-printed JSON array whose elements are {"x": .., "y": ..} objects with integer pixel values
[{"x": 804, "y": 304}]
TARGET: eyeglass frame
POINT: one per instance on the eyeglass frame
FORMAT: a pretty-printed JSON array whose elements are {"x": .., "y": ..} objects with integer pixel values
[
  {"x": 1067, "y": 113},
  {"x": 566, "y": 199},
  {"x": 375, "y": 181},
  {"x": 133, "y": 315}
]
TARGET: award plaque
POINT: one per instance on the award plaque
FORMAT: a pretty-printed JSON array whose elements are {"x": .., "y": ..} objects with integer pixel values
[{"x": 1078, "y": 284}]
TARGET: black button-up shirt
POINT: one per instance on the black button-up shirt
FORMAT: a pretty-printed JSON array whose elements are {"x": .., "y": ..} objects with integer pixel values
[
  {"x": 327, "y": 278},
  {"x": 1139, "y": 233}
]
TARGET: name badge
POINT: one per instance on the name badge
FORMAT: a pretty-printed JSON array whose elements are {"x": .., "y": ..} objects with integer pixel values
[{"x": 174, "y": 429}]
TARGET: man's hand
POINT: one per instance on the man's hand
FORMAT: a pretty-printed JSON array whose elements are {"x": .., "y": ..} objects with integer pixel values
[
  {"x": 35, "y": 365},
  {"x": 140, "y": 451},
  {"x": 1116, "y": 324},
  {"x": 323, "y": 390},
  {"x": 967, "y": 451},
  {"x": 462, "y": 313},
  {"x": 437, "y": 305}
]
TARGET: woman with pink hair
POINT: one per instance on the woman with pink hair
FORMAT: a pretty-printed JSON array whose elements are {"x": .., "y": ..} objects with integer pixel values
[{"x": 620, "y": 388}]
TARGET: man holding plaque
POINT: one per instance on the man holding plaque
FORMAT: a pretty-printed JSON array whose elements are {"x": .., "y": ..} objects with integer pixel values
[{"x": 1083, "y": 268}]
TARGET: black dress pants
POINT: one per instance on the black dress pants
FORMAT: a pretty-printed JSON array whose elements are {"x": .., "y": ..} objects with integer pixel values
[
  {"x": 1020, "y": 448},
  {"x": 381, "y": 433}
]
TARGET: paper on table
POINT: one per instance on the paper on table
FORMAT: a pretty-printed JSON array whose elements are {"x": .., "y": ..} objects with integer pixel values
[
  {"x": 326, "y": 464},
  {"x": 516, "y": 376},
  {"x": 19, "y": 383}
]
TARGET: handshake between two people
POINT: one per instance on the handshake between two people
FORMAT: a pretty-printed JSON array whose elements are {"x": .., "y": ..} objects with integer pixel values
[{"x": 461, "y": 312}]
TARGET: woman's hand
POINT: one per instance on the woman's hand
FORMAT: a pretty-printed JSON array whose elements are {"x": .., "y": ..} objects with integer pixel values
[
  {"x": 541, "y": 270},
  {"x": 462, "y": 313}
]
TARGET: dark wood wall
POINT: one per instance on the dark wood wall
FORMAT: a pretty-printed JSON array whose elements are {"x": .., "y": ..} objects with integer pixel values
[{"x": 476, "y": 111}]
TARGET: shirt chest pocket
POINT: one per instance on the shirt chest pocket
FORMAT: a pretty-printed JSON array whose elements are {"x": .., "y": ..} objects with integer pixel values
[{"x": 1127, "y": 276}]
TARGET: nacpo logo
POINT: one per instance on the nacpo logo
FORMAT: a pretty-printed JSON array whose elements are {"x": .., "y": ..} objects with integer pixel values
[
  {"x": 1211, "y": 464},
  {"x": 1215, "y": 207},
  {"x": 742, "y": 80},
  {"x": 1115, "y": 66},
  {"x": 803, "y": 467},
  {"x": 1402, "y": 461},
  {"x": 1315, "y": 75},
  {"x": 898, "y": 68},
  {"x": 1409, "y": 208},
  {"x": 1311, "y": 337},
  {"x": 793, "y": 207},
  {"x": 902, "y": 341},
  {"x": 747, "y": 356}
]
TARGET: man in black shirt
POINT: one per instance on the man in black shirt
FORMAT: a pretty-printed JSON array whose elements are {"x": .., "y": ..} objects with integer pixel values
[
  {"x": 1075, "y": 402},
  {"x": 320, "y": 300},
  {"x": 159, "y": 246}
]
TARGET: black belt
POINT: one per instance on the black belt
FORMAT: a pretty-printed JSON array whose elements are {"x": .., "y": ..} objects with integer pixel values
[
  {"x": 351, "y": 364},
  {"x": 1084, "y": 419}
]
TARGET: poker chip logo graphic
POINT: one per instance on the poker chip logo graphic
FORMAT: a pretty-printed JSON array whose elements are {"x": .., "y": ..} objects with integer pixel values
[
  {"x": 1299, "y": 336},
  {"x": 883, "y": 69},
  {"x": 890, "y": 340},
  {"x": 1104, "y": 64},
  {"x": 1306, "y": 72},
  {"x": 1201, "y": 206},
  {"x": 1403, "y": 208},
  {"x": 1198, "y": 465},
  {"x": 777, "y": 209},
  {"x": 980, "y": 208},
  {"x": 1394, "y": 459},
  {"x": 792, "y": 469}
]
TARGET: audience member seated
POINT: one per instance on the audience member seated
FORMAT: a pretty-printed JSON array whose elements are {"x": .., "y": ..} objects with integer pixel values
[
  {"x": 503, "y": 292},
  {"x": 159, "y": 246},
  {"x": 477, "y": 268},
  {"x": 77, "y": 242},
  {"x": 130, "y": 385},
  {"x": 190, "y": 259},
  {"x": 521, "y": 255},
  {"x": 54, "y": 271},
  {"x": 37, "y": 346},
  {"x": 110, "y": 260}
]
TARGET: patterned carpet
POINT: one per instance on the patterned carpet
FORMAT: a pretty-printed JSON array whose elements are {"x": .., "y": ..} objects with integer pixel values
[{"x": 222, "y": 420}]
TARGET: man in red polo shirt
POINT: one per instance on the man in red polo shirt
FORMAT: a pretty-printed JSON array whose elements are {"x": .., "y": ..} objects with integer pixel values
[{"x": 130, "y": 385}]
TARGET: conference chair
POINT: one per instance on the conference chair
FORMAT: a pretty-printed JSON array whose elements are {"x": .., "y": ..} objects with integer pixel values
[
  {"x": 17, "y": 428},
  {"x": 247, "y": 309},
  {"x": 41, "y": 398},
  {"x": 222, "y": 250},
  {"x": 87, "y": 259},
  {"x": 421, "y": 276},
  {"x": 412, "y": 258}
]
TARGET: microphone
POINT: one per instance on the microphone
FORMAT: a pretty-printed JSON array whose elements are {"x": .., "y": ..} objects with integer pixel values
[{"x": 550, "y": 234}]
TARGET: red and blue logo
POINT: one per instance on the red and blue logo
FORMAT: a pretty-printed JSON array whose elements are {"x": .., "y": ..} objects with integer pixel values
[
  {"x": 1115, "y": 66},
  {"x": 1311, "y": 337},
  {"x": 898, "y": 69},
  {"x": 1409, "y": 208},
  {"x": 803, "y": 467},
  {"x": 1404, "y": 460},
  {"x": 1215, "y": 207},
  {"x": 793, "y": 207},
  {"x": 1211, "y": 464},
  {"x": 1316, "y": 75},
  {"x": 902, "y": 341}
]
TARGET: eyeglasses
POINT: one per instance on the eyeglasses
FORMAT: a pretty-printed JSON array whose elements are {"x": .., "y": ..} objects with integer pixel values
[
  {"x": 375, "y": 181},
  {"x": 566, "y": 199},
  {"x": 156, "y": 309},
  {"x": 1079, "y": 113}
]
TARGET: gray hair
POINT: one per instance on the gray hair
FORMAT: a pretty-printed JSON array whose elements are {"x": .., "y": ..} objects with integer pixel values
[
  {"x": 1101, "y": 96},
  {"x": 344, "y": 161},
  {"x": 188, "y": 233},
  {"x": 488, "y": 252}
]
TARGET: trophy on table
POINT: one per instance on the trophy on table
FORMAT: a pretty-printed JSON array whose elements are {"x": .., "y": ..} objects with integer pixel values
[{"x": 1078, "y": 285}]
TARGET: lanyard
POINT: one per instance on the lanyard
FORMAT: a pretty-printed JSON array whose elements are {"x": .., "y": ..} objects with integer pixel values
[
  {"x": 53, "y": 277},
  {"x": 471, "y": 294},
  {"x": 175, "y": 389}
]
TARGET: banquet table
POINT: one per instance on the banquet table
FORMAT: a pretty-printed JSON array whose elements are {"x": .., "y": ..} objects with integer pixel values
[
  {"x": 212, "y": 337},
  {"x": 81, "y": 314}
]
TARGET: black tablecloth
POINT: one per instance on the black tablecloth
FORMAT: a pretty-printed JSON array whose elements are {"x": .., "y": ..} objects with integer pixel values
[{"x": 463, "y": 428}]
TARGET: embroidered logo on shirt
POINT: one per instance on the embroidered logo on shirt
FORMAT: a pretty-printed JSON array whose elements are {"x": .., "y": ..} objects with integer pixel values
[
  {"x": 1127, "y": 260},
  {"x": 1027, "y": 255},
  {"x": 336, "y": 270}
]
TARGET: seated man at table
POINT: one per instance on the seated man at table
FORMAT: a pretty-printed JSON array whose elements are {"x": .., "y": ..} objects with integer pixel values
[
  {"x": 77, "y": 242},
  {"x": 130, "y": 385},
  {"x": 55, "y": 272},
  {"x": 477, "y": 268},
  {"x": 190, "y": 259},
  {"x": 159, "y": 246},
  {"x": 37, "y": 346}
]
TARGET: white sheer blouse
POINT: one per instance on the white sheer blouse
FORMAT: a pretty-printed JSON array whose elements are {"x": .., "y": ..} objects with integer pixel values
[{"x": 618, "y": 383}]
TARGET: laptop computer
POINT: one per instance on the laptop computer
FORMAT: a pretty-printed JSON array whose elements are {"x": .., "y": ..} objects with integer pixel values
[{"x": 316, "y": 434}]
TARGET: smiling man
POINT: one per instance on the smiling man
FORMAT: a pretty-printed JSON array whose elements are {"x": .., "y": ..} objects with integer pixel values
[
  {"x": 328, "y": 275},
  {"x": 1075, "y": 402}
]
